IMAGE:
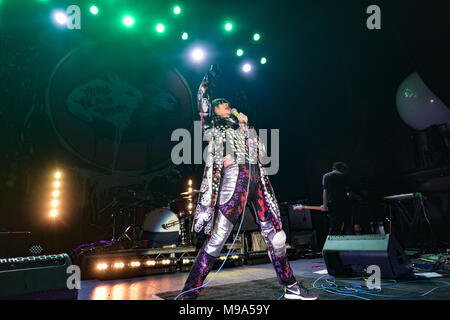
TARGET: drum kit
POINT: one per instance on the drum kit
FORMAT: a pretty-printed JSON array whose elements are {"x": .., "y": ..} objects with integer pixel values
[{"x": 138, "y": 217}]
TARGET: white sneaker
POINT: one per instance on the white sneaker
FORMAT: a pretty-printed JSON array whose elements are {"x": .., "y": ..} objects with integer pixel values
[{"x": 298, "y": 292}]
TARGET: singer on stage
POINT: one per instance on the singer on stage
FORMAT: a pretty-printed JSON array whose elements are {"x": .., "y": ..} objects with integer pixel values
[{"x": 233, "y": 159}]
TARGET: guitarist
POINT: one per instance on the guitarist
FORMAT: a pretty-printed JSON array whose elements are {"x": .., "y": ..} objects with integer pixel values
[{"x": 335, "y": 199}]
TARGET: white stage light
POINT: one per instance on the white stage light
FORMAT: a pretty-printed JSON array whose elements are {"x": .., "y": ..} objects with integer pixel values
[
  {"x": 198, "y": 54},
  {"x": 60, "y": 17},
  {"x": 246, "y": 67}
]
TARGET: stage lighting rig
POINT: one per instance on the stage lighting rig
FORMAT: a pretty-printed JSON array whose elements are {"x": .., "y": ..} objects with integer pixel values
[{"x": 56, "y": 193}]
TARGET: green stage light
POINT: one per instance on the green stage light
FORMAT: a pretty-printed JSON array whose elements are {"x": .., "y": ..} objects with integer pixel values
[
  {"x": 256, "y": 36},
  {"x": 177, "y": 10},
  {"x": 228, "y": 26},
  {"x": 263, "y": 60},
  {"x": 128, "y": 20},
  {"x": 93, "y": 9},
  {"x": 184, "y": 36},
  {"x": 239, "y": 52},
  {"x": 160, "y": 28}
]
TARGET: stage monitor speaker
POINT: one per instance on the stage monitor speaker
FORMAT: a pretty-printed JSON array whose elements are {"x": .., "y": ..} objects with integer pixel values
[
  {"x": 299, "y": 219},
  {"x": 36, "y": 278},
  {"x": 351, "y": 255}
]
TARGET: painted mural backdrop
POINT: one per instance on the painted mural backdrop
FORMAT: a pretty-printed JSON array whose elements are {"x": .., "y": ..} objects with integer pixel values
[{"x": 117, "y": 111}]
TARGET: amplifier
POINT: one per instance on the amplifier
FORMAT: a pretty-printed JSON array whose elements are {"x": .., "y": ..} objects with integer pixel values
[
  {"x": 36, "y": 277},
  {"x": 299, "y": 219}
]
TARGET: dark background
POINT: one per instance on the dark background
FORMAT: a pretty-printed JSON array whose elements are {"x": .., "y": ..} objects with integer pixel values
[{"x": 329, "y": 86}]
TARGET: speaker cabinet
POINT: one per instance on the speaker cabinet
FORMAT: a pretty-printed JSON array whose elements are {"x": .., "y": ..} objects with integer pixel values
[{"x": 351, "y": 255}]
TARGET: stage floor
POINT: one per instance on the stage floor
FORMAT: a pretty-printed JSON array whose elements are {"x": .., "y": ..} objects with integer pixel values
[{"x": 258, "y": 282}]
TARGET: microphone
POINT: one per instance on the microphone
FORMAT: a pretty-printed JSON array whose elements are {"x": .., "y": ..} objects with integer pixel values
[{"x": 235, "y": 113}]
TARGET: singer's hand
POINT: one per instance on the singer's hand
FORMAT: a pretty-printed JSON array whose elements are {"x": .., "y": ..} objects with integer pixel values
[
  {"x": 242, "y": 117},
  {"x": 242, "y": 121}
]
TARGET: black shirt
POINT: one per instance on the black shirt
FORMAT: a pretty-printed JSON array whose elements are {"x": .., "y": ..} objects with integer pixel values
[{"x": 336, "y": 184}]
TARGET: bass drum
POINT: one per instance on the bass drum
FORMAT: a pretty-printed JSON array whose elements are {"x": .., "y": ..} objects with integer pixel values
[{"x": 161, "y": 228}]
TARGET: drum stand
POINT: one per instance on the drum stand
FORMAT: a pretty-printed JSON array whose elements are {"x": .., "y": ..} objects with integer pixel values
[
  {"x": 124, "y": 234},
  {"x": 185, "y": 234}
]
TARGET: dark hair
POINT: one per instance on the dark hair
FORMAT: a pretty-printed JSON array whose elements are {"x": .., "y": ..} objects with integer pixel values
[
  {"x": 340, "y": 166},
  {"x": 218, "y": 101}
]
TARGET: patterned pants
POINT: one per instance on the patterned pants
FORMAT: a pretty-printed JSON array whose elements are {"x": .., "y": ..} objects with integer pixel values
[{"x": 233, "y": 192}]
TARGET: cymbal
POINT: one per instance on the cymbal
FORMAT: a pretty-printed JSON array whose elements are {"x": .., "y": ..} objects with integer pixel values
[{"x": 187, "y": 192}]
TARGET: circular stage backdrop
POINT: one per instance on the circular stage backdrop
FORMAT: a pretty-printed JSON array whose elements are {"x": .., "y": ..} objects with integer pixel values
[{"x": 116, "y": 106}]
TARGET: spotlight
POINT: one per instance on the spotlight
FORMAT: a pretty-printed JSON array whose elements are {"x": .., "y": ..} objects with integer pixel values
[
  {"x": 184, "y": 36},
  {"x": 150, "y": 263},
  {"x": 102, "y": 266},
  {"x": 246, "y": 67},
  {"x": 256, "y": 37},
  {"x": 57, "y": 184},
  {"x": 177, "y": 10},
  {"x": 135, "y": 264},
  {"x": 160, "y": 28},
  {"x": 54, "y": 203},
  {"x": 57, "y": 175},
  {"x": 93, "y": 9},
  {"x": 263, "y": 60},
  {"x": 239, "y": 52},
  {"x": 60, "y": 17},
  {"x": 165, "y": 261},
  {"x": 55, "y": 193},
  {"x": 53, "y": 213},
  {"x": 128, "y": 20},
  {"x": 190, "y": 206},
  {"x": 228, "y": 26},
  {"x": 119, "y": 265},
  {"x": 198, "y": 54},
  {"x": 190, "y": 182}
]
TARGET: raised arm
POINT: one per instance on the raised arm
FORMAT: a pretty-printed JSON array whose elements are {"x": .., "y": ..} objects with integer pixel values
[{"x": 204, "y": 98}]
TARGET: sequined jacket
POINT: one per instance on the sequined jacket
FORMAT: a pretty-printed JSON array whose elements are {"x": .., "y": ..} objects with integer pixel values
[{"x": 218, "y": 132}]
